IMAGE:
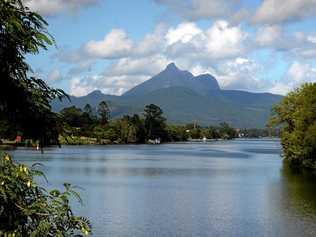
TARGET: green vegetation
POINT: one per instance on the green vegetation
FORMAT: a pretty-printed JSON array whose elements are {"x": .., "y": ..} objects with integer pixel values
[
  {"x": 155, "y": 122},
  {"x": 24, "y": 99},
  {"x": 103, "y": 112},
  {"x": 296, "y": 115},
  {"x": 88, "y": 127},
  {"x": 27, "y": 209}
]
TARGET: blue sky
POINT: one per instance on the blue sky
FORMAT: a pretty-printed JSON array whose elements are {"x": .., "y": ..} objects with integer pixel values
[{"x": 113, "y": 45}]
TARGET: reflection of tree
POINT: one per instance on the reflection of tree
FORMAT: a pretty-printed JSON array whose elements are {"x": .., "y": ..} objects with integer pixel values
[{"x": 299, "y": 190}]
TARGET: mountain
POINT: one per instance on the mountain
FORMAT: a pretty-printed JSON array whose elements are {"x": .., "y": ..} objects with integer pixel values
[
  {"x": 174, "y": 77},
  {"x": 185, "y": 98}
]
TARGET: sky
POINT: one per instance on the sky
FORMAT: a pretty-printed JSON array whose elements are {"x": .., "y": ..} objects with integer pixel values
[{"x": 113, "y": 45}]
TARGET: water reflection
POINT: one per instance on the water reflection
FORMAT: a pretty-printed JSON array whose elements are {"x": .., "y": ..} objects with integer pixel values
[
  {"x": 232, "y": 188},
  {"x": 300, "y": 189}
]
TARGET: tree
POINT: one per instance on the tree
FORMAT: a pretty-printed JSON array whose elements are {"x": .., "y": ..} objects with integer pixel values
[
  {"x": 24, "y": 99},
  {"x": 88, "y": 110},
  {"x": 72, "y": 116},
  {"x": 104, "y": 112},
  {"x": 226, "y": 131},
  {"x": 155, "y": 122},
  {"x": 296, "y": 116},
  {"x": 212, "y": 133},
  {"x": 139, "y": 125},
  {"x": 26, "y": 209}
]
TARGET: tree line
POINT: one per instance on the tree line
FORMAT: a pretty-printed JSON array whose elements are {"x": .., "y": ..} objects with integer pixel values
[{"x": 95, "y": 123}]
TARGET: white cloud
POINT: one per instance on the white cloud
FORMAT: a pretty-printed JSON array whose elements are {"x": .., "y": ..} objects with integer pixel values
[
  {"x": 146, "y": 66},
  {"x": 120, "y": 76},
  {"x": 240, "y": 73},
  {"x": 225, "y": 40},
  {"x": 297, "y": 74},
  {"x": 268, "y": 35},
  {"x": 219, "y": 41},
  {"x": 312, "y": 39},
  {"x": 152, "y": 43},
  {"x": 222, "y": 50},
  {"x": 114, "y": 85},
  {"x": 54, "y": 75},
  {"x": 294, "y": 45},
  {"x": 52, "y": 7},
  {"x": 277, "y": 11},
  {"x": 183, "y": 33},
  {"x": 114, "y": 45},
  {"x": 300, "y": 72}
]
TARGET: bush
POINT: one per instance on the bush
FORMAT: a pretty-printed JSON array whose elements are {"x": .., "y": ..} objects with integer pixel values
[
  {"x": 27, "y": 209},
  {"x": 296, "y": 116}
]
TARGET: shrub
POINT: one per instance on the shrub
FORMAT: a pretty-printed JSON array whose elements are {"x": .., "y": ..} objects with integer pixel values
[{"x": 27, "y": 209}]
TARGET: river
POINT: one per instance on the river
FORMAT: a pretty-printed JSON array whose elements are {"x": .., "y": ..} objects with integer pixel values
[{"x": 223, "y": 188}]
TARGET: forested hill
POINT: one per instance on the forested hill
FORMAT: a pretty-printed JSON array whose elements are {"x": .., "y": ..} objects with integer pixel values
[{"x": 185, "y": 98}]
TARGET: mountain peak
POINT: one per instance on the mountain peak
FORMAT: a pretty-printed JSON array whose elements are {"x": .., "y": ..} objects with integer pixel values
[
  {"x": 96, "y": 93},
  {"x": 172, "y": 66}
]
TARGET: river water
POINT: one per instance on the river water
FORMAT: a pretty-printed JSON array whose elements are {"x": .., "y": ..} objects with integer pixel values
[{"x": 223, "y": 188}]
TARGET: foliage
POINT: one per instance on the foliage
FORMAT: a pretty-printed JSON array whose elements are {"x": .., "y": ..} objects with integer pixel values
[
  {"x": 133, "y": 129},
  {"x": 212, "y": 133},
  {"x": 27, "y": 209},
  {"x": 24, "y": 99},
  {"x": 296, "y": 115},
  {"x": 227, "y": 131},
  {"x": 154, "y": 122},
  {"x": 75, "y": 117},
  {"x": 104, "y": 112},
  {"x": 177, "y": 133}
]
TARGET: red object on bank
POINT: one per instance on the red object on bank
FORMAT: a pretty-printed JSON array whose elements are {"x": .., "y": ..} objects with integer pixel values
[{"x": 18, "y": 138}]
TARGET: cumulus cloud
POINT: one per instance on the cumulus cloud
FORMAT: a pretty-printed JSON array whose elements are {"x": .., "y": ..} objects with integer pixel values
[
  {"x": 222, "y": 49},
  {"x": 183, "y": 33},
  {"x": 240, "y": 73},
  {"x": 295, "y": 44},
  {"x": 146, "y": 66},
  {"x": 152, "y": 43},
  {"x": 300, "y": 72},
  {"x": 297, "y": 74},
  {"x": 277, "y": 11},
  {"x": 117, "y": 78},
  {"x": 224, "y": 39},
  {"x": 221, "y": 40},
  {"x": 184, "y": 44},
  {"x": 52, "y": 7},
  {"x": 114, "y": 85},
  {"x": 120, "y": 76},
  {"x": 114, "y": 45}
]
